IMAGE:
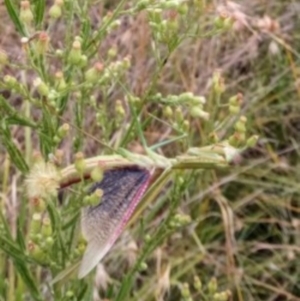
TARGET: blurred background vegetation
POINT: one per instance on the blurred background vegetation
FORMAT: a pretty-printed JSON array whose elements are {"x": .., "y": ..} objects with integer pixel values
[{"x": 243, "y": 241}]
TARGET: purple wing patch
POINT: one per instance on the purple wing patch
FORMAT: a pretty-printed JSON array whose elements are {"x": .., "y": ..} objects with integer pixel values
[{"x": 102, "y": 224}]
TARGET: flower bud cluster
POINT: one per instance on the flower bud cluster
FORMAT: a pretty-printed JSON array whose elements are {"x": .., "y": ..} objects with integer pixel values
[
  {"x": 41, "y": 237},
  {"x": 62, "y": 132},
  {"x": 94, "y": 198},
  {"x": 239, "y": 135},
  {"x": 100, "y": 74},
  {"x": 76, "y": 73},
  {"x": 60, "y": 83},
  {"x": 75, "y": 57},
  {"x": 92, "y": 75},
  {"x": 235, "y": 103},
  {"x": 180, "y": 220},
  {"x": 115, "y": 69},
  {"x": 185, "y": 292},
  {"x": 26, "y": 15},
  {"x": 174, "y": 106},
  {"x": 112, "y": 24},
  {"x": 119, "y": 112},
  {"x": 97, "y": 174},
  {"x": 187, "y": 99},
  {"x": 164, "y": 18},
  {"x": 224, "y": 21},
  {"x": 14, "y": 85},
  {"x": 197, "y": 283},
  {"x": 55, "y": 10},
  {"x": 210, "y": 291},
  {"x": 218, "y": 85},
  {"x": 42, "y": 43},
  {"x": 222, "y": 296},
  {"x": 80, "y": 163},
  {"x": 41, "y": 86},
  {"x": 80, "y": 248},
  {"x": 212, "y": 286}
]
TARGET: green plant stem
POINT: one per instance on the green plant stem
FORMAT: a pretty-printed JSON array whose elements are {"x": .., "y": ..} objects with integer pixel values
[
  {"x": 2, "y": 205},
  {"x": 11, "y": 281},
  {"x": 28, "y": 142}
]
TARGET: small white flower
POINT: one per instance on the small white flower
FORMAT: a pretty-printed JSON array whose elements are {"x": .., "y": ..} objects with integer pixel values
[
  {"x": 24, "y": 40},
  {"x": 42, "y": 181},
  {"x": 274, "y": 48},
  {"x": 36, "y": 82}
]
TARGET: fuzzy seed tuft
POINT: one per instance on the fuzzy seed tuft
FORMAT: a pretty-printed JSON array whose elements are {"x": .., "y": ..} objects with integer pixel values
[{"x": 42, "y": 181}]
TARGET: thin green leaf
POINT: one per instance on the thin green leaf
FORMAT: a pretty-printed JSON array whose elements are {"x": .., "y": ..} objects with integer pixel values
[
  {"x": 82, "y": 292},
  {"x": 71, "y": 222},
  {"x": 15, "y": 117},
  {"x": 20, "y": 239},
  {"x": 14, "y": 16},
  {"x": 18, "y": 120},
  {"x": 39, "y": 12},
  {"x": 56, "y": 226},
  {"x": 14, "y": 153},
  {"x": 54, "y": 217},
  {"x": 12, "y": 250},
  {"x": 104, "y": 27},
  {"x": 20, "y": 259},
  {"x": 62, "y": 103},
  {"x": 66, "y": 274},
  {"x": 125, "y": 287},
  {"x": 27, "y": 279},
  {"x": 86, "y": 31},
  {"x": 5, "y": 225},
  {"x": 45, "y": 143}
]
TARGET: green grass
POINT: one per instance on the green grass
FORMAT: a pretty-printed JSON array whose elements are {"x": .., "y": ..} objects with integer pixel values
[{"x": 112, "y": 75}]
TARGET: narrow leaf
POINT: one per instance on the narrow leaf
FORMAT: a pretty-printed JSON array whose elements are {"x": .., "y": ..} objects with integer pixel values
[
  {"x": 14, "y": 116},
  {"x": 39, "y": 12},
  {"x": 27, "y": 279},
  {"x": 14, "y": 16},
  {"x": 11, "y": 249},
  {"x": 14, "y": 152}
]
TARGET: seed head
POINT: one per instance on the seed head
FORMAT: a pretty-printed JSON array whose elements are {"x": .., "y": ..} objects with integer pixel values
[{"x": 42, "y": 181}]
